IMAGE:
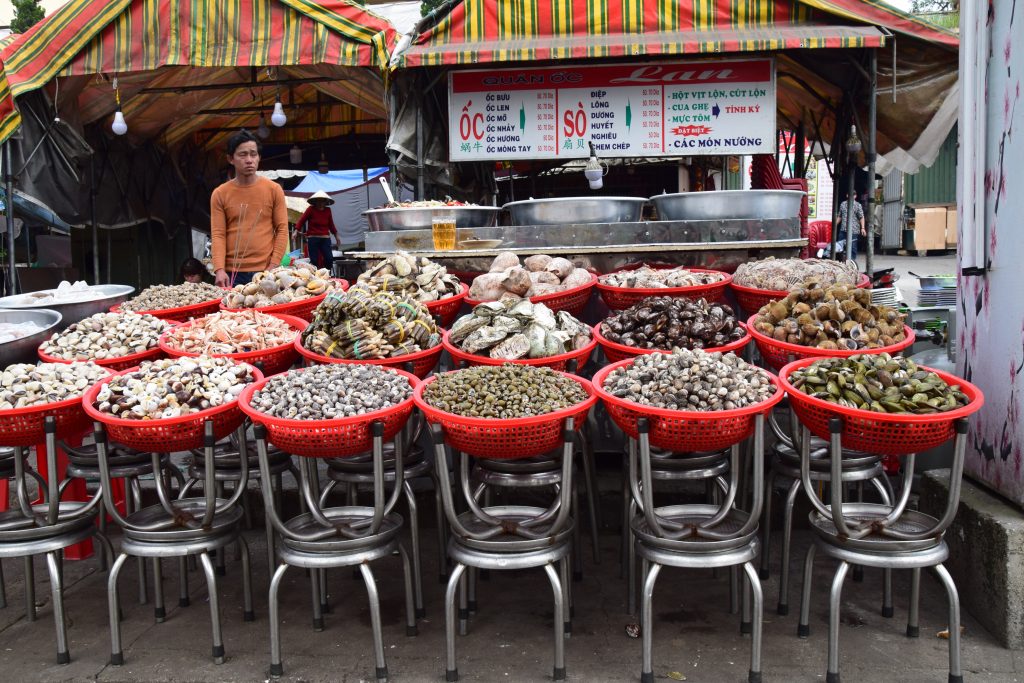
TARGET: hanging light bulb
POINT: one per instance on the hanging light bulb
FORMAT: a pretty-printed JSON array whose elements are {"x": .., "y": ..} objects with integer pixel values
[
  {"x": 295, "y": 154},
  {"x": 322, "y": 165},
  {"x": 262, "y": 131},
  {"x": 119, "y": 126},
  {"x": 278, "y": 118}
]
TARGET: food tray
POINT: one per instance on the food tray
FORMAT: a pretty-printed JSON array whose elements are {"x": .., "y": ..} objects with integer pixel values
[
  {"x": 557, "y": 362},
  {"x": 751, "y": 299},
  {"x": 423, "y": 362},
  {"x": 621, "y": 298},
  {"x": 776, "y": 353},
  {"x": 303, "y": 308},
  {"x": 180, "y": 314},
  {"x": 523, "y": 437},
  {"x": 448, "y": 309},
  {"x": 615, "y": 352},
  {"x": 168, "y": 435},
  {"x": 271, "y": 361},
  {"x": 24, "y": 426},
  {"x": 880, "y": 433},
  {"x": 335, "y": 438},
  {"x": 572, "y": 300},
  {"x": 683, "y": 431},
  {"x": 113, "y": 364}
]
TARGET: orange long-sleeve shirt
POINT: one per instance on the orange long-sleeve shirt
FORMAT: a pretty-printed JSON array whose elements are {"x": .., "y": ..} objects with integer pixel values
[{"x": 248, "y": 226}]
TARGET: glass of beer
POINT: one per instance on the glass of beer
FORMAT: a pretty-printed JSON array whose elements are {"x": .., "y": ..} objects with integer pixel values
[{"x": 444, "y": 232}]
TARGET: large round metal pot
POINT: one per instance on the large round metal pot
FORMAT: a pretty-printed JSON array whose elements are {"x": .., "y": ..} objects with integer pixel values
[
  {"x": 72, "y": 311},
  {"x": 728, "y": 205},
  {"x": 562, "y": 210},
  {"x": 23, "y": 350},
  {"x": 422, "y": 218}
]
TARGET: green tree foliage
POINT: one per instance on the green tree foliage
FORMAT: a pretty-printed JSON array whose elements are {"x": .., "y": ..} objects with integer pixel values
[
  {"x": 918, "y": 6},
  {"x": 428, "y": 6},
  {"x": 27, "y": 13}
]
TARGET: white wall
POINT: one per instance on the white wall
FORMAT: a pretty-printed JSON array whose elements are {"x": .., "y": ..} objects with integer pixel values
[{"x": 7, "y": 9}]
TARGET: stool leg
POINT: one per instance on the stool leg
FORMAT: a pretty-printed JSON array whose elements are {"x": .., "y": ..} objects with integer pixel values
[
  {"x": 755, "y": 639},
  {"x": 563, "y": 566},
  {"x": 913, "y": 631},
  {"x": 766, "y": 521},
  {"x": 745, "y": 623},
  {"x": 464, "y": 605},
  {"x": 414, "y": 530},
  {"x": 887, "y": 610},
  {"x": 211, "y": 583},
  {"x": 3, "y": 587},
  {"x": 647, "y": 622},
  {"x": 325, "y": 605},
  {"x": 246, "y": 509},
  {"x": 630, "y": 563},
  {"x": 183, "y": 598},
  {"x": 276, "y": 668},
  {"x": 955, "y": 674},
  {"x": 558, "y": 590},
  {"x": 442, "y": 540},
  {"x": 56, "y": 593},
  {"x": 410, "y": 610},
  {"x": 113, "y": 607},
  {"x": 590, "y": 481},
  {"x": 378, "y": 636},
  {"x": 133, "y": 503},
  {"x": 577, "y": 543},
  {"x": 159, "y": 612},
  {"x": 803, "y": 630},
  {"x": 248, "y": 614},
  {"x": 30, "y": 589},
  {"x": 734, "y": 590},
  {"x": 222, "y": 553},
  {"x": 787, "y": 537},
  {"x": 471, "y": 581},
  {"x": 454, "y": 580},
  {"x": 834, "y": 598},
  {"x": 275, "y": 482},
  {"x": 318, "y": 614},
  {"x": 627, "y": 497}
]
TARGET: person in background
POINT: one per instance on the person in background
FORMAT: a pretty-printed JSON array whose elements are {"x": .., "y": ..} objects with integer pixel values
[
  {"x": 248, "y": 217},
  {"x": 193, "y": 270},
  {"x": 841, "y": 236},
  {"x": 317, "y": 224}
]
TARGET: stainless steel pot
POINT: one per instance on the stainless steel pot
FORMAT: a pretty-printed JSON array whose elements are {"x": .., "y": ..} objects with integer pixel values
[
  {"x": 23, "y": 350},
  {"x": 728, "y": 204},
  {"x": 563, "y": 210},
  {"x": 73, "y": 311},
  {"x": 414, "y": 218}
]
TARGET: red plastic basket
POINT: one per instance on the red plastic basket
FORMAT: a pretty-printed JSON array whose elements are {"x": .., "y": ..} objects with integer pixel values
[
  {"x": 273, "y": 360},
  {"x": 303, "y": 308},
  {"x": 180, "y": 314},
  {"x": 169, "y": 435},
  {"x": 683, "y": 431},
  {"x": 621, "y": 298},
  {"x": 615, "y": 352},
  {"x": 751, "y": 299},
  {"x": 777, "y": 354},
  {"x": 571, "y": 300},
  {"x": 448, "y": 309},
  {"x": 335, "y": 438},
  {"x": 880, "y": 433},
  {"x": 423, "y": 362},
  {"x": 112, "y": 364},
  {"x": 557, "y": 362},
  {"x": 523, "y": 437},
  {"x": 24, "y": 426}
]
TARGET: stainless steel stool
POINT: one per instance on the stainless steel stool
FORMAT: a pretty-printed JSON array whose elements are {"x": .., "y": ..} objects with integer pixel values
[
  {"x": 7, "y": 471},
  {"x": 349, "y": 536},
  {"x": 697, "y": 536},
  {"x": 176, "y": 528},
  {"x": 857, "y": 468},
  {"x": 47, "y": 529},
  {"x": 507, "y": 537},
  {"x": 885, "y": 536}
]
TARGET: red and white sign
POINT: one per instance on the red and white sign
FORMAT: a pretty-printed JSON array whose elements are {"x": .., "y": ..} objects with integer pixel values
[{"x": 626, "y": 110}]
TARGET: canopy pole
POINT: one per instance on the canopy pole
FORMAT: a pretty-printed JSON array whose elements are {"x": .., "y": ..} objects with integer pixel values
[
  {"x": 9, "y": 211},
  {"x": 95, "y": 225},
  {"x": 869, "y": 220},
  {"x": 420, "y": 180},
  {"x": 851, "y": 230}
]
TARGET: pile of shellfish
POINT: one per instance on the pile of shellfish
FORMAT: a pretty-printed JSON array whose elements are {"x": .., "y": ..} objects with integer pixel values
[
  {"x": 362, "y": 324},
  {"x": 646, "y": 277},
  {"x": 106, "y": 335},
  {"x": 231, "y": 332},
  {"x": 781, "y": 274},
  {"x": 418, "y": 278},
  {"x": 538, "y": 275},
  {"x": 840, "y": 317},
  {"x": 23, "y": 385},
  {"x": 162, "y": 297},
  {"x": 503, "y": 392},
  {"x": 512, "y": 329},
  {"x": 281, "y": 285},
  {"x": 665, "y": 323}
]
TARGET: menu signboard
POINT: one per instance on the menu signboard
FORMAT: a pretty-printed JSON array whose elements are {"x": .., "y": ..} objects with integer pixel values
[{"x": 625, "y": 110}]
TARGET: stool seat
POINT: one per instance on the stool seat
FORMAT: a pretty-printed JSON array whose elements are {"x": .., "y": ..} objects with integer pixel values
[
  {"x": 728, "y": 557},
  {"x": 483, "y": 559},
  {"x": 360, "y": 475},
  {"x": 910, "y": 522},
  {"x": 189, "y": 510},
  {"x": 820, "y": 460},
  {"x": 27, "y": 531},
  {"x": 341, "y": 517},
  {"x": 692, "y": 516},
  {"x": 509, "y": 517}
]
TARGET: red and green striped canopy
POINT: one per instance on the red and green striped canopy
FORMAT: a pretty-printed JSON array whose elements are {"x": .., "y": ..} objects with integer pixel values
[
  {"x": 9, "y": 116},
  {"x": 481, "y": 31}
]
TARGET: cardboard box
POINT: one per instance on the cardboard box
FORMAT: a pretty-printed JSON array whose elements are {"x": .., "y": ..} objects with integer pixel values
[
  {"x": 951, "y": 221},
  {"x": 930, "y": 228}
]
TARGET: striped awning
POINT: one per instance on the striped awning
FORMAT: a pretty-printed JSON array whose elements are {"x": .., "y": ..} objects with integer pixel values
[
  {"x": 482, "y": 31},
  {"x": 9, "y": 116}
]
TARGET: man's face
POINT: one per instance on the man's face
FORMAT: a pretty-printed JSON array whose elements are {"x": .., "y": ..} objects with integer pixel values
[
  {"x": 194, "y": 278},
  {"x": 246, "y": 159}
]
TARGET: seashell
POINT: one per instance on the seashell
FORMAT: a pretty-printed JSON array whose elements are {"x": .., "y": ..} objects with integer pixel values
[
  {"x": 464, "y": 326},
  {"x": 483, "y": 338},
  {"x": 512, "y": 348}
]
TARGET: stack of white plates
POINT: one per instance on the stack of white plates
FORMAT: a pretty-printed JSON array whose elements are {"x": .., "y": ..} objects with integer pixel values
[
  {"x": 884, "y": 296},
  {"x": 937, "y": 296}
]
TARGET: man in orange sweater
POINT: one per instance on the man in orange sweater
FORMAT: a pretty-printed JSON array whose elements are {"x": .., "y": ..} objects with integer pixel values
[{"x": 248, "y": 217}]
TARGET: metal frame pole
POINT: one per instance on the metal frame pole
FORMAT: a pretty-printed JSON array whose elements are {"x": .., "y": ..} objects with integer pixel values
[
  {"x": 95, "y": 226},
  {"x": 851, "y": 168},
  {"x": 869, "y": 219},
  {"x": 12, "y": 279}
]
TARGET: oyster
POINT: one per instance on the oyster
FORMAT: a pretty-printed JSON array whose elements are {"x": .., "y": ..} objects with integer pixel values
[
  {"x": 483, "y": 338},
  {"x": 512, "y": 348}
]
